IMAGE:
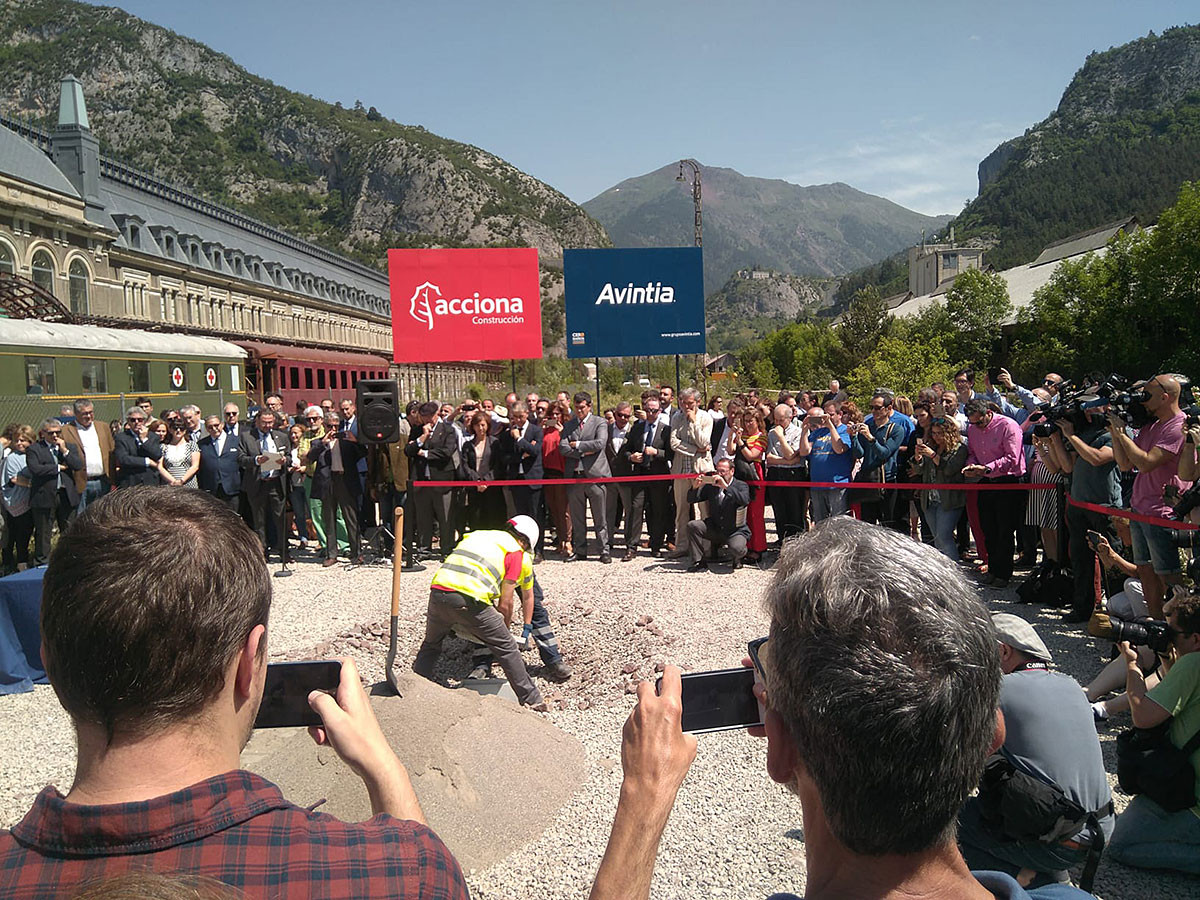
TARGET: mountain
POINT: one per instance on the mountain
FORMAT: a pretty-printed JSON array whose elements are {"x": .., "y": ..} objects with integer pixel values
[
  {"x": 1125, "y": 136},
  {"x": 755, "y": 302},
  {"x": 348, "y": 179},
  {"x": 820, "y": 230}
]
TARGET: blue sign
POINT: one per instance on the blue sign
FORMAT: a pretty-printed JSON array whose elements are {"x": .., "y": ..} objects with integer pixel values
[{"x": 647, "y": 302}]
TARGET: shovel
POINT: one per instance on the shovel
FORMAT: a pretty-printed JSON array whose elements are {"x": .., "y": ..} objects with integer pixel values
[{"x": 397, "y": 556}]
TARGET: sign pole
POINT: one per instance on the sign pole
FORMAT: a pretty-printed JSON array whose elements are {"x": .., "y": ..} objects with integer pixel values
[
  {"x": 597, "y": 382},
  {"x": 514, "y": 374},
  {"x": 678, "y": 387},
  {"x": 428, "y": 393}
]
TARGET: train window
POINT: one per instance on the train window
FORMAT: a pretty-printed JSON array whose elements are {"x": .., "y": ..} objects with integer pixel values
[
  {"x": 43, "y": 270},
  {"x": 353, "y": 378},
  {"x": 362, "y": 374},
  {"x": 283, "y": 382},
  {"x": 308, "y": 380},
  {"x": 94, "y": 376},
  {"x": 320, "y": 379},
  {"x": 333, "y": 378},
  {"x": 39, "y": 375},
  {"x": 344, "y": 382},
  {"x": 294, "y": 377},
  {"x": 139, "y": 376}
]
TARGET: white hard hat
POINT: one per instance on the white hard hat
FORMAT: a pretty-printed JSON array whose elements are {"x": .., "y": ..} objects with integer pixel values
[{"x": 526, "y": 527}]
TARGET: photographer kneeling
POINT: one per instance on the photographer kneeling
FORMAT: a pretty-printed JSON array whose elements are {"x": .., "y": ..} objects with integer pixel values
[
  {"x": 727, "y": 499},
  {"x": 1147, "y": 836}
]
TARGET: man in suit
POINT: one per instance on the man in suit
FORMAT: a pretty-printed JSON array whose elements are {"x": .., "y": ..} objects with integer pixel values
[
  {"x": 582, "y": 448},
  {"x": 94, "y": 480},
  {"x": 649, "y": 453},
  {"x": 433, "y": 450},
  {"x": 691, "y": 453},
  {"x": 520, "y": 446},
  {"x": 232, "y": 425},
  {"x": 336, "y": 485},
  {"x": 52, "y": 492},
  {"x": 220, "y": 473},
  {"x": 136, "y": 451},
  {"x": 617, "y": 498},
  {"x": 727, "y": 499},
  {"x": 265, "y": 490}
]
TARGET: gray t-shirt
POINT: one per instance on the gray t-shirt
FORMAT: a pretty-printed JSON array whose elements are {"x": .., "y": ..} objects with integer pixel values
[
  {"x": 1096, "y": 484},
  {"x": 1051, "y": 733}
]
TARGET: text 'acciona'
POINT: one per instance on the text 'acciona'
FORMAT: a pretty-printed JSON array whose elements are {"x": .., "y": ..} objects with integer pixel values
[{"x": 653, "y": 292}]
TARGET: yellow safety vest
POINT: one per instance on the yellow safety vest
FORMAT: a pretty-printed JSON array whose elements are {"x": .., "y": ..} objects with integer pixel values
[{"x": 476, "y": 567}]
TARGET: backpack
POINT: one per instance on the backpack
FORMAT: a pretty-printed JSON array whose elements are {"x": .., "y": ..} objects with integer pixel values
[{"x": 1148, "y": 763}]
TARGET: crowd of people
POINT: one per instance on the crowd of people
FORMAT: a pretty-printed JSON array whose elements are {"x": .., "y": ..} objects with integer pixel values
[{"x": 696, "y": 477}]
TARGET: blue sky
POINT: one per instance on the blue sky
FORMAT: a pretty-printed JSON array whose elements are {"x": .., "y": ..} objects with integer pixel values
[{"x": 898, "y": 99}]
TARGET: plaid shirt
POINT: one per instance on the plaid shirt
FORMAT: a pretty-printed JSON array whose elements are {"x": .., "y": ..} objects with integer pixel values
[{"x": 236, "y": 828}]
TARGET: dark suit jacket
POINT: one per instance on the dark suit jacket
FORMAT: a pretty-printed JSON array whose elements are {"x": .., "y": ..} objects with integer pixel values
[
  {"x": 618, "y": 463},
  {"x": 723, "y": 513},
  {"x": 493, "y": 461},
  {"x": 104, "y": 435},
  {"x": 248, "y": 449},
  {"x": 43, "y": 475},
  {"x": 442, "y": 447},
  {"x": 591, "y": 435},
  {"x": 130, "y": 459},
  {"x": 659, "y": 464},
  {"x": 528, "y": 450},
  {"x": 219, "y": 471},
  {"x": 352, "y": 452}
]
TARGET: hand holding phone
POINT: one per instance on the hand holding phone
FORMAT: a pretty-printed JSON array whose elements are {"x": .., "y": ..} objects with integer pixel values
[
  {"x": 719, "y": 700},
  {"x": 285, "y": 694}
]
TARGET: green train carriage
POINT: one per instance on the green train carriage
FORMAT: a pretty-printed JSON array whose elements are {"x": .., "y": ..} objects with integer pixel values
[{"x": 47, "y": 365}]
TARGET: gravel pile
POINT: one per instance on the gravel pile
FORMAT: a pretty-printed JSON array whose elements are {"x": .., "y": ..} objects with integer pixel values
[{"x": 733, "y": 833}]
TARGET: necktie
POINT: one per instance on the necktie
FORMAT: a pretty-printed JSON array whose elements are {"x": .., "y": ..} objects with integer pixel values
[
  {"x": 229, "y": 429},
  {"x": 649, "y": 433}
]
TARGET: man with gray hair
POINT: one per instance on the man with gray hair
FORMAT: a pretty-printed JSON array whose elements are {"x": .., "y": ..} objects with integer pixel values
[
  {"x": 882, "y": 681},
  {"x": 191, "y": 418},
  {"x": 94, "y": 480},
  {"x": 136, "y": 451},
  {"x": 52, "y": 493},
  {"x": 691, "y": 449}
]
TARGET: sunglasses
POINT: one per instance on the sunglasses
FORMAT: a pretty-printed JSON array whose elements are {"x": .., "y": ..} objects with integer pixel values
[
  {"x": 53, "y": 433},
  {"x": 135, "y": 419},
  {"x": 877, "y": 408},
  {"x": 231, "y": 412},
  {"x": 312, "y": 418},
  {"x": 175, "y": 426}
]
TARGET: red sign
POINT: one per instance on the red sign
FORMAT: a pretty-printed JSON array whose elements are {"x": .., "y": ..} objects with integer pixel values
[{"x": 453, "y": 305}]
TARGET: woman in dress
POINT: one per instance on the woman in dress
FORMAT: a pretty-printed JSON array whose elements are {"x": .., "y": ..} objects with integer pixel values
[
  {"x": 747, "y": 443},
  {"x": 297, "y": 499},
  {"x": 485, "y": 505},
  {"x": 554, "y": 466},
  {"x": 941, "y": 461},
  {"x": 14, "y": 500},
  {"x": 180, "y": 456}
]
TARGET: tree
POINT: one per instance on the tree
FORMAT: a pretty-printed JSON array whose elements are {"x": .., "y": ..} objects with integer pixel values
[
  {"x": 865, "y": 321},
  {"x": 977, "y": 303},
  {"x": 898, "y": 365}
]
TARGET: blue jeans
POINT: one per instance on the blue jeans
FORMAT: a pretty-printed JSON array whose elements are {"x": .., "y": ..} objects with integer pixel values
[
  {"x": 1154, "y": 545},
  {"x": 95, "y": 489},
  {"x": 942, "y": 522},
  {"x": 1148, "y": 837}
]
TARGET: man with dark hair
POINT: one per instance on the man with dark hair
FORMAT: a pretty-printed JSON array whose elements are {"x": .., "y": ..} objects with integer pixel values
[
  {"x": 275, "y": 404},
  {"x": 996, "y": 455},
  {"x": 878, "y": 442},
  {"x": 964, "y": 388},
  {"x": 619, "y": 496},
  {"x": 433, "y": 450},
  {"x": 336, "y": 485},
  {"x": 264, "y": 479},
  {"x": 649, "y": 452},
  {"x": 162, "y": 679},
  {"x": 520, "y": 446},
  {"x": 53, "y": 495},
  {"x": 882, "y": 676},
  {"x": 725, "y": 525},
  {"x": 582, "y": 447}
]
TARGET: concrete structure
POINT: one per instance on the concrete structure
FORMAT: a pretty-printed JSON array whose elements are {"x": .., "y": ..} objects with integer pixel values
[
  {"x": 121, "y": 248},
  {"x": 930, "y": 265}
]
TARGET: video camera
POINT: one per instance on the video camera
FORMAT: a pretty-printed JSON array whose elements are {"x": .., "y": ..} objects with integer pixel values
[{"x": 1142, "y": 631}]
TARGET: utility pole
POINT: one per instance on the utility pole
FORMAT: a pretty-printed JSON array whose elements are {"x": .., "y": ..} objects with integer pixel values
[{"x": 699, "y": 232}]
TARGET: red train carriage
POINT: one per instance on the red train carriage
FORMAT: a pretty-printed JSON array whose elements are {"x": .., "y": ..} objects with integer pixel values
[{"x": 306, "y": 373}]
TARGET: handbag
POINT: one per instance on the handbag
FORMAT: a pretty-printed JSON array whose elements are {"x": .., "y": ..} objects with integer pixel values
[
  {"x": 867, "y": 495},
  {"x": 1148, "y": 763}
]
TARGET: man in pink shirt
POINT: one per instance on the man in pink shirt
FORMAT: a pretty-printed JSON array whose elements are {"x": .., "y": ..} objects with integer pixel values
[
  {"x": 1155, "y": 455},
  {"x": 995, "y": 455}
]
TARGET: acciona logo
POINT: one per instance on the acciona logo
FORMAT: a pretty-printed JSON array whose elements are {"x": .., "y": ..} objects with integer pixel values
[
  {"x": 427, "y": 305},
  {"x": 653, "y": 292}
]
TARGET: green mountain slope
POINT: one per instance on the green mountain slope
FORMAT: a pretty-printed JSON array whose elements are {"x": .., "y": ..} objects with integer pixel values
[
  {"x": 345, "y": 178},
  {"x": 820, "y": 230},
  {"x": 1125, "y": 135}
]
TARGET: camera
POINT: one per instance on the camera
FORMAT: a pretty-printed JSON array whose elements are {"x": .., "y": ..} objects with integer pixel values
[
  {"x": 1142, "y": 631},
  {"x": 1184, "y": 503}
]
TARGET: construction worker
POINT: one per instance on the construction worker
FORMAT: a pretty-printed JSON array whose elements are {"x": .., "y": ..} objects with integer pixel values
[
  {"x": 553, "y": 666},
  {"x": 473, "y": 592}
]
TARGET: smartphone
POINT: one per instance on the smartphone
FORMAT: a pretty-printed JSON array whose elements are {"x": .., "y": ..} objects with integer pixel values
[
  {"x": 993, "y": 374},
  {"x": 1093, "y": 539},
  {"x": 719, "y": 701},
  {"x": 708, "y": 478},
  {"x": 285, "y": 697}
]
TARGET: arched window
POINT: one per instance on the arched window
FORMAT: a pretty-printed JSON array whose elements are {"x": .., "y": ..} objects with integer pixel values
[
  {"x": 77, "y": 279},
  {"x": 7, "y": 262},
  {"x": 43, "y": 270}
]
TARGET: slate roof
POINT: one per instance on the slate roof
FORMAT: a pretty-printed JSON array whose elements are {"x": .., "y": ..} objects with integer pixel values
[
  {"x": 26, "y": 162},
  {"x": 1084, "y": 241}
]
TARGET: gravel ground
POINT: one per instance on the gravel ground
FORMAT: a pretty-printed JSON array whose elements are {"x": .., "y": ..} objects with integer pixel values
[{"x": 733, "y": 833}]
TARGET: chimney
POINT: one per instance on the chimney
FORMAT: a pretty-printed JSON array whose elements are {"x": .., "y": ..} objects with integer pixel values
[
  {"x": 73, "y": 147},
  {"x": 951, "y": 237}
]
